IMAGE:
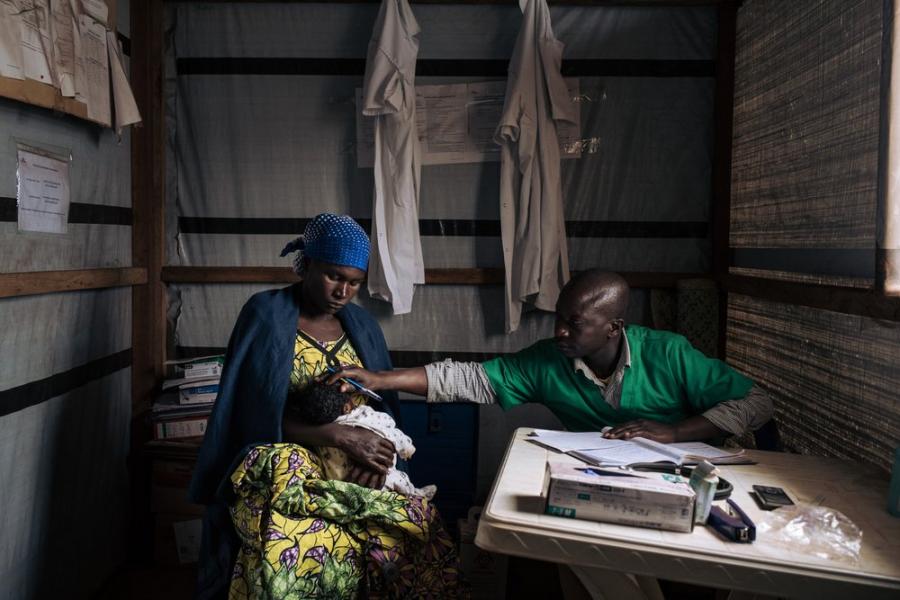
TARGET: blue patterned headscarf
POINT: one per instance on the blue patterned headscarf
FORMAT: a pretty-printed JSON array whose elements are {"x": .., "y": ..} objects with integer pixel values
[{"x": 335, "y": 239}]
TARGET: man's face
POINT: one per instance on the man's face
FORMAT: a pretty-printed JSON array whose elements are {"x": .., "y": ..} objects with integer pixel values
[
  {"x": 330, "y": 287},
  {"x": 582, "y": 329}
]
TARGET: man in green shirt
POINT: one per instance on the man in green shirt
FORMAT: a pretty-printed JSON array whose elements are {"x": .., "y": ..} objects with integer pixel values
[{"x": 597, "y": 372}]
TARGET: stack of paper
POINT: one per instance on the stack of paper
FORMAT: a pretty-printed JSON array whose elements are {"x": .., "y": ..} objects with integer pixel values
[
  {"x": 593, "y": 448},
  {"x": 183, "y": 414}
]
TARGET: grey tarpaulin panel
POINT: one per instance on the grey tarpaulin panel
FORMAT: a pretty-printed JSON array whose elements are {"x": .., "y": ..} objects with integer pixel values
[
  {"x": 65, "y": 384},
  {"x": 653, "y": 164},
  {"x": 806, "y": 130},
  {"x": 468, "y": 319},
  {"x": 834, "y": 377},
  {"x": 52, "y": 333},
  {"x": 289, "y": 148},
  {"x": 100, "y": 177},
  {"x": 453, "y": 31},
  {"x": 64, "y": 497}
]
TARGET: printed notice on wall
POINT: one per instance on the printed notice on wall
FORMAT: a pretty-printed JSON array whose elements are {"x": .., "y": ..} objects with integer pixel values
[
  {"x": 456, "y": 124},
  {"x": 43, "y": 193}
]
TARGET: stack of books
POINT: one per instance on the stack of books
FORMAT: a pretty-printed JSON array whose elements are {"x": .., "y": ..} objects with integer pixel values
[{"x": 183, "y": 409}]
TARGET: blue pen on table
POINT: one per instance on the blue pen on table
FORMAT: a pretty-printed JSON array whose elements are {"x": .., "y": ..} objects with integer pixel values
[{"x": 360, "y": 387}]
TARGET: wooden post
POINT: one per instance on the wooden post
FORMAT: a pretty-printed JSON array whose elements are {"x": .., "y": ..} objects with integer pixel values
[
  {"x": 720, "y": 213},
  {"x": 148, "y": 306},
  {"x": 148, "y": 199},
  {"x": 887, "y": 265}
]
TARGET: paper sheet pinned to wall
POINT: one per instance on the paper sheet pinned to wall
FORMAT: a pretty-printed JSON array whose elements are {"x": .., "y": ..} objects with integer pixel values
[
  {"x": 10, "y": 41},
  {"x": 36, "y": 45},
  {"x": 43, "y": 193},
  {"x": 456, "y": 124},
  {"x": 92, "y": 76},
  {"x": 62, "y": 32},
  {"x": 125, "y": 108},
  {"x": 96, "y": 9}
]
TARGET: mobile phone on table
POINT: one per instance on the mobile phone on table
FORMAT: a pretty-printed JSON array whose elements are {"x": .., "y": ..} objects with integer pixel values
[{"x": 770, "y": 497}]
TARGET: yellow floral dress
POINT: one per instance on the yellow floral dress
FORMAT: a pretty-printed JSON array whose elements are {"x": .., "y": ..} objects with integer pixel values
[{"x": 307, "y": 537}]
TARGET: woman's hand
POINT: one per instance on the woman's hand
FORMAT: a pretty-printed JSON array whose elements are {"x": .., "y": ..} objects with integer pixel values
[
  {"x": 371, "y": 452},
  {"x": 364, "y": 477}
]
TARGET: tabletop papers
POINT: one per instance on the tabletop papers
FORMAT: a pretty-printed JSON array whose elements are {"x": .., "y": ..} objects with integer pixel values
[{"x": 593, "y": 448}]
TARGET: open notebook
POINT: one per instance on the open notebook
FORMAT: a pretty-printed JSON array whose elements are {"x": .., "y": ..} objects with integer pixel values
[{"x": 595, "y": 449}]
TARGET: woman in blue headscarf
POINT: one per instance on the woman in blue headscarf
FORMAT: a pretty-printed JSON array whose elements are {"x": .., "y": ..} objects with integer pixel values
[{"x": 286, "y": 338}]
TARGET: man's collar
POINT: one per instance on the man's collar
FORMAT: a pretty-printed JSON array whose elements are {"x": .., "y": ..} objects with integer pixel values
[{"x": 624, "y": 361}]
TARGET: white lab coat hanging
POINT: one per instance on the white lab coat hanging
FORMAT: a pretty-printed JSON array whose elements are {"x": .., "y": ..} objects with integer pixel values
[
  {"x": 532, "y": 221},
  {"x": 389, "y": 95}
]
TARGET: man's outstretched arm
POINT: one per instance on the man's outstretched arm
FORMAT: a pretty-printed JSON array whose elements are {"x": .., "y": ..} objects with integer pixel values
[{"x": 445, "y": 381}]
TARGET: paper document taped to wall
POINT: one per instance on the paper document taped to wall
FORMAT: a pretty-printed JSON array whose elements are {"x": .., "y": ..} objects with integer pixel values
[
  {"x": 456, "y": 124},
  {"x": 62, "y": 33},
  {"x": 124, "y": 106},
  {"x": 10, "y": 41},
  {"x": 35, "y": 30},
  {"x": 43, "y": 193},
  {"x": 92, "y": 76}
]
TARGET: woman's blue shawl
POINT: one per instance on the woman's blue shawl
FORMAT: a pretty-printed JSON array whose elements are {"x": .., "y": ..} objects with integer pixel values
[
  {"x": 256, "y": 376},
  {"x": 249, "y": 407}
]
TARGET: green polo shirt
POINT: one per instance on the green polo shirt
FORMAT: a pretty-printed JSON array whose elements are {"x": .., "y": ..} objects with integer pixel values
[{"x": 668, "y": 380}]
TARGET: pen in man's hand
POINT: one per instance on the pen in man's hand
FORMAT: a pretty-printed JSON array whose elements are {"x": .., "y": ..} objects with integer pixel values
[{"x": 360, "y": 387}]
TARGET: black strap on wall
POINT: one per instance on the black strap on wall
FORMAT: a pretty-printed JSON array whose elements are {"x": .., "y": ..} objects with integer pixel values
[
  {"x": 841, "y": 262},
  {"x": 79, "y": 212},
  {"x": 452, "y": 227},
  {"x": 433, "y": 67},
  {"x": 36, "y": 392}
]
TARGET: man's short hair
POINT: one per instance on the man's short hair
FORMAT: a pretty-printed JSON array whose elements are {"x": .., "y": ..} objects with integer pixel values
[
  {"x": 597, "y": 288},
  {"x": 317, "y": 403}
]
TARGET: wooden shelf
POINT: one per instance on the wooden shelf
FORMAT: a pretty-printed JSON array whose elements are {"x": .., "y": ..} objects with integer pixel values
[
  {"x": 657, "y": 3},
  {"x": 48, "y": 282}
]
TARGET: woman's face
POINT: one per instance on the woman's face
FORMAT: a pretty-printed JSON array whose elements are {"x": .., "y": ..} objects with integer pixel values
[{"x": 330, "y": 287}]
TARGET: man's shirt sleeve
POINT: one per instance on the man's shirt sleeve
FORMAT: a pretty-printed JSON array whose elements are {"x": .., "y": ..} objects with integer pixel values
[
  {"x": 512, "y": 377},
  {"x": 706, "y": 381}
]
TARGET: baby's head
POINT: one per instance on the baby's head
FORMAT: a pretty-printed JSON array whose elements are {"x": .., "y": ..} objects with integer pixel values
[{"x": 318, "y": 403}]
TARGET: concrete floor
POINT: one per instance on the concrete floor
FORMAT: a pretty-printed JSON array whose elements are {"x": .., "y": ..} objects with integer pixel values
[{"x": 150, "y": 583}]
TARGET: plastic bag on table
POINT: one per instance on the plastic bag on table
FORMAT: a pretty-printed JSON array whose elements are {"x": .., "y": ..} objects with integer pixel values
[{"x": 818, "y": 530}]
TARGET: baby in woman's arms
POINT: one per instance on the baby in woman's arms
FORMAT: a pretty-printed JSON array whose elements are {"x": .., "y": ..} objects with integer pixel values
[{"x": 318, "y": 404}]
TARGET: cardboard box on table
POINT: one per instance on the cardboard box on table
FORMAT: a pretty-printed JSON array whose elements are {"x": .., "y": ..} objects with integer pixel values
[{"x": 612, "y": 495}]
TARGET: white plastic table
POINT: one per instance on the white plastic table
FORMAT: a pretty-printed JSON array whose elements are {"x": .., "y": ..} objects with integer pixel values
[{"x": 513, "y": 523}]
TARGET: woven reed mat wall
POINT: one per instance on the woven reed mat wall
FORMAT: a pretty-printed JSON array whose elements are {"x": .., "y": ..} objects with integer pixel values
[
  {"x": 834, "y": 377},
  {"x": 806, "y": 124}
]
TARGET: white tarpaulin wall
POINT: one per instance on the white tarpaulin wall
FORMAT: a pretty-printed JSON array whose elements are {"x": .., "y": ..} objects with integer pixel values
[
  {"x": 262, "y": 136},
  {"x": 65, "y": 376}
]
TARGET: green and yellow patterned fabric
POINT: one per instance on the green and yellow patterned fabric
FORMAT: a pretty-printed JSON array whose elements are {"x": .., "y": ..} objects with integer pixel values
[
  {"x": 310, "y": 363},
  {"x": 304, "y": 537}
]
